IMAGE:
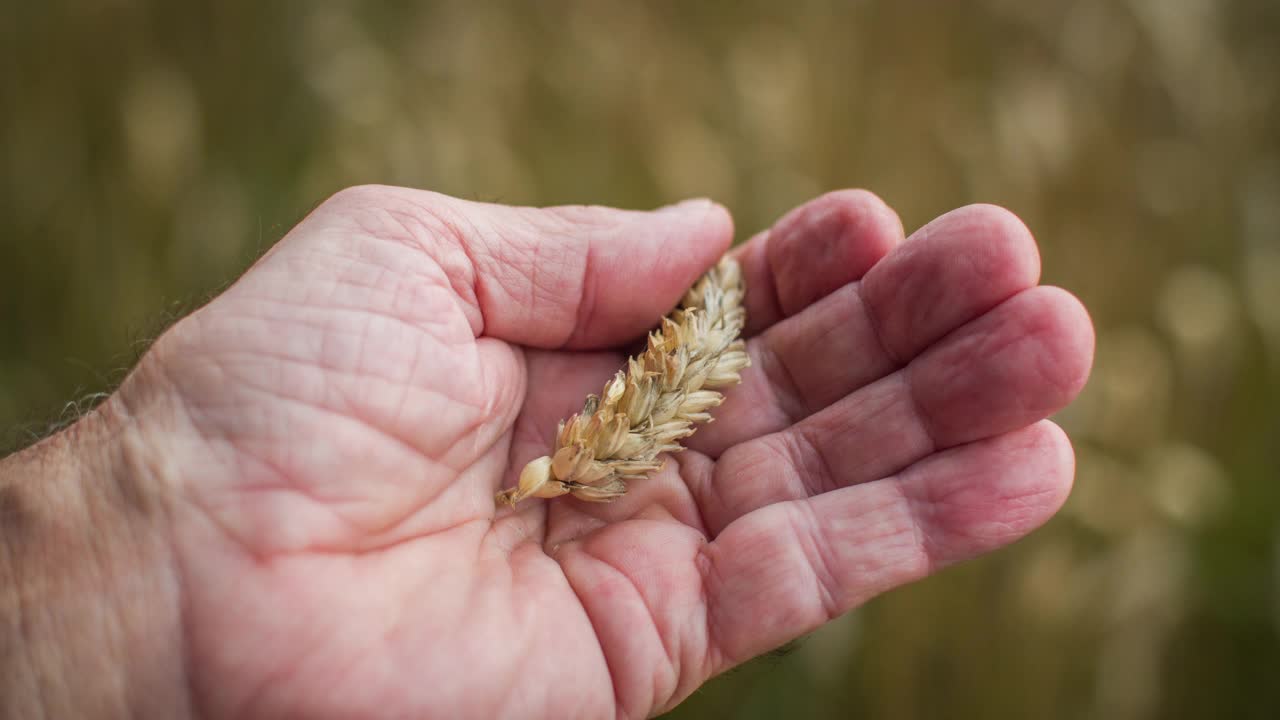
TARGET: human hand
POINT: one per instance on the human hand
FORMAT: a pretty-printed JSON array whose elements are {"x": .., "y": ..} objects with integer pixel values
[{"x": 326, "y": 437}]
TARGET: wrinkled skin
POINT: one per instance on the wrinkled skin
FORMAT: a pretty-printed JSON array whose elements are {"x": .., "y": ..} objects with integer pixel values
[{"x": 333, "y": 428}]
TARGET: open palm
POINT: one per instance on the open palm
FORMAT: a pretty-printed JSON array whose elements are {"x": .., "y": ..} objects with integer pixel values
[{"x": 354, "y": 401}]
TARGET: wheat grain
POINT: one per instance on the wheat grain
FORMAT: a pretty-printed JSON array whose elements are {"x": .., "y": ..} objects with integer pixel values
[{"x": 649, "y": 407}]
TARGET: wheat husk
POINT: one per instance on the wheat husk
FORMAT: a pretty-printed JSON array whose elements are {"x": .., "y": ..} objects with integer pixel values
[{"x": 651, "y": 405}]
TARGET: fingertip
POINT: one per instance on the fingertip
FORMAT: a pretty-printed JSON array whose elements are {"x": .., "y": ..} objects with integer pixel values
[
  {"x": 640, "y": 269},
  {"x": 699, "y": 231},
  {"x": 1029, "y": 484},
  {"x": 952, "y": 270},
  {"x": 1007, "y": 230},
  {"x": 700, "y": 235},
  {"x": 988, "y": 494},
  {"x": 827, "y": 243},
  {"x": 1043, "y": 479},
  {"x": 1079, "y": 336},
  {"x": 714, "y": 225},
  {"x": 1062, "y": 476},
  {"x": 852, "y": 214},
  {"x": 863, "y": 206},
  {"x": 1041, "y": 469},
  {"x": 1066, "y": 332},
  {"x": 993, "y": 237},
  {"x": 1019, "y": 363}
]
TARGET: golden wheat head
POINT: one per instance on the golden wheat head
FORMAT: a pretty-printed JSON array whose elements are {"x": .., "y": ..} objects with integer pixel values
[{"x": 649, "y": 407}]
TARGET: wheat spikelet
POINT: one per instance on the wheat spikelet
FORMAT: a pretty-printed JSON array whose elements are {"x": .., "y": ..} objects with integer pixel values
[{"x": 646, "y": 409}]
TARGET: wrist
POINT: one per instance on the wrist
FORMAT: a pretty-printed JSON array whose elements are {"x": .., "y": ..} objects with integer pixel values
[{"x": 90, "y": 599}]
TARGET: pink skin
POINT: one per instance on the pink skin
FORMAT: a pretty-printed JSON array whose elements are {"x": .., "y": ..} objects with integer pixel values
[{"x": 351, "y": 404}]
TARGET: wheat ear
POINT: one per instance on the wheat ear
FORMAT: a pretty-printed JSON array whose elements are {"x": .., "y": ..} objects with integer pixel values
[{"x": 649, "y": 407}]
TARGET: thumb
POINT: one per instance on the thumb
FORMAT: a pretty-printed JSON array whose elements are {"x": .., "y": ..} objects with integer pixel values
[
  {"x": 572, "y": 276},
  {"x": 585, "y": 276}
]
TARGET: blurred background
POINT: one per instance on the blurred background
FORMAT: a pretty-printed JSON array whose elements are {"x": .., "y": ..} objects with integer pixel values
[{"x": 149, "y": 151}]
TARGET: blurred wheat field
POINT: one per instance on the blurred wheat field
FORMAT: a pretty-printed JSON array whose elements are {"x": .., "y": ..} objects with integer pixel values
[{"x": 149, "y": 151}]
